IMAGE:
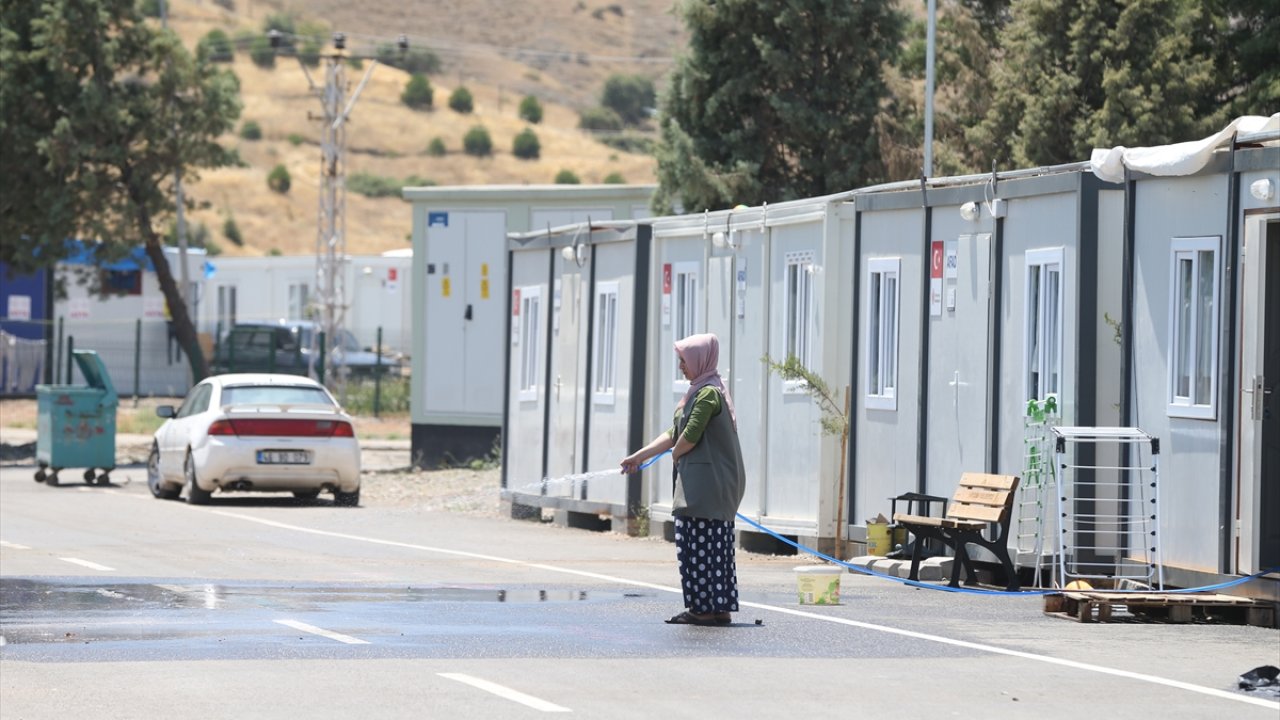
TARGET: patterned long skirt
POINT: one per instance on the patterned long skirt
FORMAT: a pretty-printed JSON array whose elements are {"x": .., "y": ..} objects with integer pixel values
[{"x": 708, "y": 576}]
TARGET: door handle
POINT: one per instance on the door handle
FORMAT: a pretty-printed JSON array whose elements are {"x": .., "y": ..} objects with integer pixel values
[
  {"x": 467, "y": 314},
  {"x": 1259, "y": 391}
]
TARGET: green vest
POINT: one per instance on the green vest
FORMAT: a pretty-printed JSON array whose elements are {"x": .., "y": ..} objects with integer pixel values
[{"x": 711, "y": 479}]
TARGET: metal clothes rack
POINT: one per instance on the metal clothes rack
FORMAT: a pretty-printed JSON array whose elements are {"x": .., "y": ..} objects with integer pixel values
[{"x": 1108, "y": 513}]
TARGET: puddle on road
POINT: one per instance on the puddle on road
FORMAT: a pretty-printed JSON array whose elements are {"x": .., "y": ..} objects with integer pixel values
[{"x": 32, "y": 608}]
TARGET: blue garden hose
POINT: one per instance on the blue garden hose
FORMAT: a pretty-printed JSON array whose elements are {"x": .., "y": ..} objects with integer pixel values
[{"x": 948, "y": 588}]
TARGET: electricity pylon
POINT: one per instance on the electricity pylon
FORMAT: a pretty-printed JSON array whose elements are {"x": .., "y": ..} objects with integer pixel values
[{"x": 331, "y": 236}]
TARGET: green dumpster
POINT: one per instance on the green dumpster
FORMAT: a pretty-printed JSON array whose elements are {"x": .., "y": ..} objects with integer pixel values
[{"x": 76, "y": 424}]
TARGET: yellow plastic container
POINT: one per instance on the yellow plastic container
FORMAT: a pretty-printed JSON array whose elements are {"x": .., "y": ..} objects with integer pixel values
[
  {"x": 818, "y": 584},
  {"x": 878, "y": 540}
]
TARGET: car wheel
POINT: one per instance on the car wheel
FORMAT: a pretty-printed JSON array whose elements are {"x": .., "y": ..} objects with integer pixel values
[
  {"x": 195, "y": 495},
  {"x": 344, "y": 499},
  {"x": 157, "y": 486},
  {"x": 306, "y": 494}
]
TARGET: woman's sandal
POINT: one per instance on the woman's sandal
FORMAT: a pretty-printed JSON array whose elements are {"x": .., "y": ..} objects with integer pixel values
[{"x": 688, "y": 618}]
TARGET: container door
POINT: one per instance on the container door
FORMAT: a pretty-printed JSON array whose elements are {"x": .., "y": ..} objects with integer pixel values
[
  {"x": 957, "y": 417},
  {"x": 464, "y": 313},
  {"x": 1259, "y": 398},
  {"x": 568, "y": 347},
  {"x": 483, "y": 312}
]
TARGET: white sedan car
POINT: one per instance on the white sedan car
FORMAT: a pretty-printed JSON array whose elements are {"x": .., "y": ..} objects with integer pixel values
[{"x": 261, "y": 432}]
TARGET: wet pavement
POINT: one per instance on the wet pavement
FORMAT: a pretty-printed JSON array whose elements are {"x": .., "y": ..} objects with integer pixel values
[{"x": 243, "y": 605}]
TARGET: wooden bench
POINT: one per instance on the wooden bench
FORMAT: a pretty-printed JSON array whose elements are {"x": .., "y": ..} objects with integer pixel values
[{"x": 981, "y": 502}]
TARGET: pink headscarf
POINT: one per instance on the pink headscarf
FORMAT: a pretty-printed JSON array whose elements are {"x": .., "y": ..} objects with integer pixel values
[{"x": 701, "y": 354}]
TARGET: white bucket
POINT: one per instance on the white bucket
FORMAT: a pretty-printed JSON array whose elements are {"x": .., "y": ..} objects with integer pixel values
[{"x": 818, "y": 584}]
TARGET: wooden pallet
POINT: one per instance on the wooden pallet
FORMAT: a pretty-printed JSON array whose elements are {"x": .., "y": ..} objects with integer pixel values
[{"x": 1160, "y": 607}]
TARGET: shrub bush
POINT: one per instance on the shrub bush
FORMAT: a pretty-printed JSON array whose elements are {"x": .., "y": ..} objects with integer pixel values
[
  {"x": 436, "y": 148},
  {"x": 531, "y": 110},
  {"x": 414, "y": 61},
  {"x": 371, "y": 185},
  {"x": 477, "y": 142},
  {"x": 417, "y": 92},
  {"x": 231, "y": 231},
  {"x": 295, "y": 139},
  {"x": 630, "y": 96},
  {"x": 251, "y": 130},
  {"x": 261, "y": 52},
  {"x": 526, "y": 146},
  {"x": 614, "y": 178},
  {"x": 461, "y": 101},
  {"x": 567, "y": 177},
  {"x": 314, "y": 36},
  {"x": 215, "y": 46},
  {"x": 599, "y": 118},
  {"x": 279, "y": 179}
]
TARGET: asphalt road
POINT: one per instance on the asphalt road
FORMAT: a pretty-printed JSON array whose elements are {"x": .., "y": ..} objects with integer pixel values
[{"x": 117, "y": 605}]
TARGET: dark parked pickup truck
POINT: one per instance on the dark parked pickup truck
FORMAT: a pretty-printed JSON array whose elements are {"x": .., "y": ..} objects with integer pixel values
[{"x": 290, "y": 346}]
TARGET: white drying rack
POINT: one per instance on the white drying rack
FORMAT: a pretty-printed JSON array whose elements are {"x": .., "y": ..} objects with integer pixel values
[{"x": 1109, "y": 514}]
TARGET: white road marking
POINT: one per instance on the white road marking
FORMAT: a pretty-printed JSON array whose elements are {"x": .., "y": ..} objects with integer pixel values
[
  {"x": 90, "y": 565},
  {"x": 505, "y": 692},
  {"x": 1212, "y": 692},
  {"x": 323, "y": 633},
  {"x": 15, "y": 546}
]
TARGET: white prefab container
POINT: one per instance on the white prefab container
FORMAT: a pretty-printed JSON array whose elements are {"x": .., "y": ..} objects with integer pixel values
[
  {"x": 258, "y": 289},
  {"x": 459, "y": 275},
  {"x": 1203, "y": 324},
  {"x": 575, "y": 353},
  {"x": 765, "y": 280},
  {"x": 975, "y": 296}
]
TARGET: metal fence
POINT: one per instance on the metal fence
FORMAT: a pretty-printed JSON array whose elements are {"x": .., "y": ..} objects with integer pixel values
[{"x": 144, "y": 358}]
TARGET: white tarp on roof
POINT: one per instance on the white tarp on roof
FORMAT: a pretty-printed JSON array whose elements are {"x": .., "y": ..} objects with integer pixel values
[{"x": 1178, "y": 159}]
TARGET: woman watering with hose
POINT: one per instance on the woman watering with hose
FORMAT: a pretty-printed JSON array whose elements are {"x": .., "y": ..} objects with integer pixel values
[{"x": 709, "y": 484}]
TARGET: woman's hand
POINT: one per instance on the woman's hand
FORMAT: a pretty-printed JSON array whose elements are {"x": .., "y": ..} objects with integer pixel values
[{"x": 631, "y": 463}]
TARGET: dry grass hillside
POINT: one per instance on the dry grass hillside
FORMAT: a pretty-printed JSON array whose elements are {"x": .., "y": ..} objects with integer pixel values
[{"x": 488, "y": 45}]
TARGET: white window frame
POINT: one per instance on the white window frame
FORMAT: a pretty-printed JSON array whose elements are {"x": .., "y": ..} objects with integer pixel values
[
  {"x": 528, "y": 340},
  {"x": 684, "y": 314},
  {"x": 1042, "y": 324},
  {"x": 299, "y": 296},
  {"x": 226, "y": 307},
  {"x": 604, "y": 375},
  {"x": 883, "y": 330},
  {"x": 1197, "y": 359},
  {"x": 797, "y": 331}
]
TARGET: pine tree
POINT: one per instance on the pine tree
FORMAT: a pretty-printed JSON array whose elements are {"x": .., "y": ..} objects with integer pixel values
[
  {"x": 1079, "y": 74},
  {"x": 774, "y": 102}
]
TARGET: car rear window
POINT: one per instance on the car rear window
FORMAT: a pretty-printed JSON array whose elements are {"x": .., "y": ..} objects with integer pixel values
[{"x": 274, "y": 395}]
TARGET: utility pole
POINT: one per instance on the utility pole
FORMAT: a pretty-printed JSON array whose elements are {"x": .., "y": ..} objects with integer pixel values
[
  {"x": 928, "y": 89},
  {"x": 331, "y": 236}
]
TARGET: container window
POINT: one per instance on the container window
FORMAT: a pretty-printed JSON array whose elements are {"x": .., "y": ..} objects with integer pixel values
[
  {"x": 1193, "y": 327},
  {"x": 1042, "y": 324},
  {"x": 882, "y": 333},
  {"x": 606, "y": 345}
]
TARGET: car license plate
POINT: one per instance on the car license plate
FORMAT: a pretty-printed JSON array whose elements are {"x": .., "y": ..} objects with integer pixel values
[{"x": 284, "y": 457}]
